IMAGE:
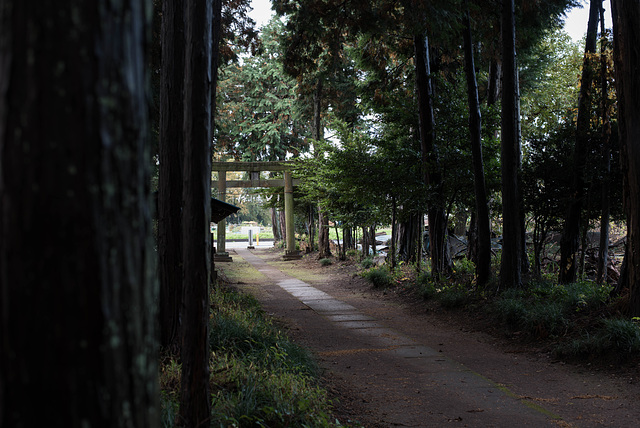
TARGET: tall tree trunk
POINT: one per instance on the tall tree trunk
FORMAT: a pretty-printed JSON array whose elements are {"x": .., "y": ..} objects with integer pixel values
[
  {"x": 340, "y": 248},
  {"x": 324, "y": 250},
  {"x": 603, "y": 247},
  {"x": 573, "y": 219},
  {"x": 626, "y": 15},
  {"x": 275, "y": 225},
  {"x": 511, "y": 263},
  {"x": 171, "y": 153},
  {"x": 365, "y": 241},
  {"x": 349, "y": 242},
  {"x": 282, "y": 221},
  {"x": 431, "y": 170},
  {"x": 77, "y": 265},
  {"x": 409, "y": 235},
  {"x": 195, "y": 402},
  {"x": 472, "y": 239},
  {"x": 392, "y": 242},
  {"x": 483, "y": 261},
  {"x": 493, "y": 88},
  {"x": 373, "y": 239},
  {"x": 311, "y": 227}
]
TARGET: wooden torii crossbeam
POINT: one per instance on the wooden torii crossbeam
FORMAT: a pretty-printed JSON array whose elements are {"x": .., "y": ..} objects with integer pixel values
[{"x": 254, "y": 169}]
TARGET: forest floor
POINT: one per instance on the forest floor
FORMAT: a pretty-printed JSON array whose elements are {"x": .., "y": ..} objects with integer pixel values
[{"x": 390, "y": 359}]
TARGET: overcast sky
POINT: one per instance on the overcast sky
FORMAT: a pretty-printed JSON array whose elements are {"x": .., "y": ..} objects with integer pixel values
[{"x": 576, "y": 24}]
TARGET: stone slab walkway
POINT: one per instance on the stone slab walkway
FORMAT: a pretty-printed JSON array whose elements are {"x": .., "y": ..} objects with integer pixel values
[{"x": 404, "y": 382}]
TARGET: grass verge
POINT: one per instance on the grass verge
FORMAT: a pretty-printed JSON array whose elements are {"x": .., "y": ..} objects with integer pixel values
[
  {"x": 577, "y": 322},
  {"x": 259, "y": 378}
]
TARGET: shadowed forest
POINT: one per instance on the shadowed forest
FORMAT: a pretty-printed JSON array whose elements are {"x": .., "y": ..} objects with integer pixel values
[{"x": 500, "y": 157}]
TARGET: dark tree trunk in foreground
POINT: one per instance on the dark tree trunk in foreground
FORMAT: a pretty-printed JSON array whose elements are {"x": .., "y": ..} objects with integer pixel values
[
  {"x": 483, "y": 255},
  {"x": 195, "y": 401},
  {"x": 433, "y": 179},
  {"x": 603, "y": 248},
  {"x": 573, "y": 219},
  {"x": 626, "y": 15},
  {"x": 511, "y": 264},
  {"x": 171, "y": 153},
  {"x": 77, "y": 275}
]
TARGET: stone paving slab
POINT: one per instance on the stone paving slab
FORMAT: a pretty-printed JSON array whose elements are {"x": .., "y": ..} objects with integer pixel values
[
  {"x": 328, "y": 305},
  {"x": 349, "y": 317}
]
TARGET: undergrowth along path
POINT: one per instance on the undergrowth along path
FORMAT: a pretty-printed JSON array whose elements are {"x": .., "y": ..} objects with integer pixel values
[{"x": 393, "y": 367}]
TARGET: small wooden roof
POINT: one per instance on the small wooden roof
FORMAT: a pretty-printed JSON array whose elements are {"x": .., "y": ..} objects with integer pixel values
[{"x": 221, "y": 210}]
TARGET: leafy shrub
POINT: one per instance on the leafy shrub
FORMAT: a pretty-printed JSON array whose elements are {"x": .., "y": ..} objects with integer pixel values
[
  {"x": 464, "y": 266},
  {"x": 453, "y": 296},
  {"x": 367, "y": 262},
  {"x": 544, "y": 318},
  {"x": 615, "y": 337},
  {"x": 573, "y": 297},
  {"x": 545, "y": 308},
  {"x": 352, "y": 253},
  {"x": 509, "y": 310},
  {"x": 621, "y": 335},
  {"x": 325, "y": 262},
  {"x": 427, "y": 291},
  {"x": 380, "y": 277}
]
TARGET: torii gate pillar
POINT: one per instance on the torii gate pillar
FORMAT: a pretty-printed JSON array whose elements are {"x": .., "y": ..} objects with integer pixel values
[{"x": 221, "y": 254}]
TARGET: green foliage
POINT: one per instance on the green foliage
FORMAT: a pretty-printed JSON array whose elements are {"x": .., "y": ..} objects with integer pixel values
[
  {"x": 367, "y": 262},
  {"x": 259, "y": 378},
  {"x": 464, "y": 266},
  {"x": 352, "y": 253},
  {"x": 425, "y": 287},
  {"x": 257, "y": 117},
  {"x": 509, "y": 310},
  {"x": 326, "y": 262},
  {"x": 615, "y": 338},
  {"x": 546, "y": 309},
  {"x": 453, "y": 296},
  {"x": 379, "y": 276}
]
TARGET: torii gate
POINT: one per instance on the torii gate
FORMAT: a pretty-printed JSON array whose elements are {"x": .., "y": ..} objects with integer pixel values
[{"x": 254, "y": 169}]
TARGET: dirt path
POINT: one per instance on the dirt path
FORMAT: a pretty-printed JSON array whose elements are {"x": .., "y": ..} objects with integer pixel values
[{"x": 391, "y": 364}]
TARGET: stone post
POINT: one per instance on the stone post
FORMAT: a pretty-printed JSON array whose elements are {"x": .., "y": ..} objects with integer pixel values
[{"x": 221, "y": 250}]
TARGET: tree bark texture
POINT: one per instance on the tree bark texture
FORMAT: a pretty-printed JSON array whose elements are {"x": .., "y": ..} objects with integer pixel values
[
  {"x": 408, "y": 237},
  {"x": 603, "y": 248},
  {"x": 311, "y": 222},
  {"x": 483, "y": 260},
  {"x": 195, "y": 402},
  {"x": 171, "y": 154},
  {"x": 510, "y": 272},
  {"x": 626, "y": 15},
  {"x": 77, "y": 273},
  {"x": 282, "y": 221},
  {"x": 275, "y": 225},
  {"x": 431, "y": 170},
  {"x": 324, "y": 250},
  {"x": 493, "y": 87},
  {"x": 573, "y": 219}
]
